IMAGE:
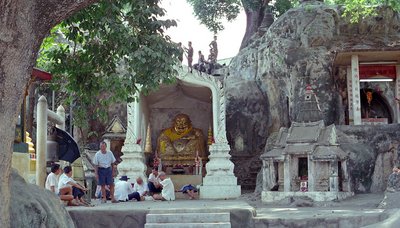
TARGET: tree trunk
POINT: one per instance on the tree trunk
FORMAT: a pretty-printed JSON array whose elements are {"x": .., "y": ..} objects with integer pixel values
[
  {"x": 254, "y": 17},
  {"x": 23, "y": 25}
]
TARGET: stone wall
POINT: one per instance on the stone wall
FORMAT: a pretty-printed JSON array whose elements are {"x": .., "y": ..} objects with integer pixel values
[{"x": 268, "y": 78}]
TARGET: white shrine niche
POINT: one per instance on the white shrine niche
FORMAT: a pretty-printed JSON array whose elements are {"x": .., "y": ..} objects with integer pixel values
[{"x": 202, "y": 97}]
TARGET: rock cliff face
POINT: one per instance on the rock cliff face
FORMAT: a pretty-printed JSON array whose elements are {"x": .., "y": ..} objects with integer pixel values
[
  {"x": 35, "y": 207},
  {"x": 268, "y": 78}
]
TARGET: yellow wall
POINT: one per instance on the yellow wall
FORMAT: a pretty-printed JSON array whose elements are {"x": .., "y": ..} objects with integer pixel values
[{"x": 25, "y": 167}]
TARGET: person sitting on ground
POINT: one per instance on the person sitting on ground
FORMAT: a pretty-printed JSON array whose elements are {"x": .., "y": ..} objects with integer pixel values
[
  {"x": 98, "y": 192},
  {"x": 168, "y": 189},
  {"x": 78, "y": 191},
  {"x": 123, "y": 189},
  {"x": 154, "y": 182},
  {"x": 200, "y": 65},
  {"x": 190, "y": 191},
  {"x": 140, "y": 189},
  {"x": 52, "y": 184}
]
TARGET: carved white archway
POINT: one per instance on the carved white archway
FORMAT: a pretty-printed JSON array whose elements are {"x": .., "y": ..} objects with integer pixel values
[{"x": 219, "y": 182}]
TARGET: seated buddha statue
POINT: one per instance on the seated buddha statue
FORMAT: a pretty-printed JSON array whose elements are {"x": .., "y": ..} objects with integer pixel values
[{"x": 181, "y": 143}]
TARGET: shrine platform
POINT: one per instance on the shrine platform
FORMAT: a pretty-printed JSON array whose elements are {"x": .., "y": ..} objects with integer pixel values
[{"x": 357, "y": 211}]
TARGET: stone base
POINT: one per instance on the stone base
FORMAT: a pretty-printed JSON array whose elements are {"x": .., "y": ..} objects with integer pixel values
[
  {"x": 220, "y": 191},
  {"x": 268, "y": 196}
]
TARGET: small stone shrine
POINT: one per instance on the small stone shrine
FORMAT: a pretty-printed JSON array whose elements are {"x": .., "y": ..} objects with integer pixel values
[{"x": 306, "y": 160}]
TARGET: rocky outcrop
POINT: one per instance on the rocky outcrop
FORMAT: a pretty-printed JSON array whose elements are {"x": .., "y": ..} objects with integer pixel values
[
  {"x": 268, "y": 78},
  {"x": 32, "y": 206}
]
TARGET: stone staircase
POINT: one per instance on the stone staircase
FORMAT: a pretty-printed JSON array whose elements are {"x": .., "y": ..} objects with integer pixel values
[{"x": 188, "y": 220}]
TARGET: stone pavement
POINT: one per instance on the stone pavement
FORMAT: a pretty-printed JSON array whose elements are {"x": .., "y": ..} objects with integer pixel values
[{"x": 357, "y": 211}]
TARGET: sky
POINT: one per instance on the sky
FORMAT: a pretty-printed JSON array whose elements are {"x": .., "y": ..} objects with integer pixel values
[{"x": 190, "y": 29}]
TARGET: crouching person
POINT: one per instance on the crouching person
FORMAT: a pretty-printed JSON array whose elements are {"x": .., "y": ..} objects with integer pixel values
[
  {"x": 78, "y": 191},
  {"x": 168, "y": 189},
  {"x": 123, "y": 189},
  {"x": 65, "y": 194},
  {"x": 140, "y": 190}
]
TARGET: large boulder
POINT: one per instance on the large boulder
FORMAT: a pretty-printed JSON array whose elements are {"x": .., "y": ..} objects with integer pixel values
[
  {"x": 268, "y": 77},
  {"x": 32, "y": 206}
]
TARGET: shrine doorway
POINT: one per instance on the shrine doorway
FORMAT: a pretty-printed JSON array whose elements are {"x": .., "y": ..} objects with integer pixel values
[{"x": 375, "y": 108}]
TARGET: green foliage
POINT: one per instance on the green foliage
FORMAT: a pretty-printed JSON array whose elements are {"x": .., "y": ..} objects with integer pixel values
[
  {"x": 211, "y": 12},
  {"x": 357, "y": 10},
  {"x": 103, "y": 53}
]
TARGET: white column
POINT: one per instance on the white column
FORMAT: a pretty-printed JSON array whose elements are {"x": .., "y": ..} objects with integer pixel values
[
  {"x": 286, "y": 174},
  {"x": 220, "y": 181},
  {"x": 397, "y": 90},
  {"x": 334, "y": 179},
  {"x": 132, "y": 164},
  {"x": 356, "y": 89},
  {"x": 61, "y": 113},
  {"x": 41, "y": 141},
  {"x": 311, "y": 173},
  {"x": 350, "y": 95}
]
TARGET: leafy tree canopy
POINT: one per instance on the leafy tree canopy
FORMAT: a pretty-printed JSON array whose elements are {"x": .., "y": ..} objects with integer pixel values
[
  {"x": 100, "y": 55},
  {"x": 213, "y": 13}
]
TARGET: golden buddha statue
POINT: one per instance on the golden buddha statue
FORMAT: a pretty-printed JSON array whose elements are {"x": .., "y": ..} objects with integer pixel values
[{"x": 182, "y": 143}]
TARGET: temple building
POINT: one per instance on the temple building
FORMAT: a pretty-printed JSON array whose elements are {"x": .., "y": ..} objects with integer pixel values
[
  {"x": 305, "y": 159},
  {"x": 181, "y": 130}
]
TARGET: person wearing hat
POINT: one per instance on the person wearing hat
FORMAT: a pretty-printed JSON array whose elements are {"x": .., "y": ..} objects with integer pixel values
[{"x": 123, "y": 189}]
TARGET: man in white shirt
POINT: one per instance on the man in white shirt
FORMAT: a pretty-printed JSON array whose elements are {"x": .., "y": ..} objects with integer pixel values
[
  {"x": 154, "y": 182},
  {"x": 52, "y": 185},
  {"x": 66, "y": 181},
  {"x": 168, "y": 189},
  {"x": 123, "y": 189},
  {"x": 140, "y": 190},
  {"x": 104, "y": 170}
]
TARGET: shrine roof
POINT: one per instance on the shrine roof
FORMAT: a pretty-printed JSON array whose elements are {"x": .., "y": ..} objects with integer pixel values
[
  {"x": 329, "y": 153},
  {"x": 383, "y": 56},
  {"x": 276, "y": 152},
  {"x": 299, "y": 149}
]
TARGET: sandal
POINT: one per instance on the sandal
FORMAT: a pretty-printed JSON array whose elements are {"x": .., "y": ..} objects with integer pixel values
[{"x": 114, "y": 201}]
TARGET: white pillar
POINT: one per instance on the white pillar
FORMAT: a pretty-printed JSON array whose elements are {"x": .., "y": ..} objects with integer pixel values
[
  {"x": 397, "y": 91},
  {"x": 61, "y": 113},
  {"x": 286, "y": 174},
  {"x": 355, "y": 78},
  {"x": 220, "y": 181},
  {"x": 333, "y": 178},
  {"x": 311, "y": 173},
  {"x": 350, "y": 95},
  {"x": 132, "y": 164},
  {"x": 41, "y": 141}
]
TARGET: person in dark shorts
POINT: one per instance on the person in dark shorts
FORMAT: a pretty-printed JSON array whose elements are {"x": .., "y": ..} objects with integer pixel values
[{"x": 104, "y": 167}]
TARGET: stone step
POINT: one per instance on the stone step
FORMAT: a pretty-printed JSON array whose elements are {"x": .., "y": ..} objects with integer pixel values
[
  {"x": 188, "y": 218},
  {"x": 188, "y": 225}
]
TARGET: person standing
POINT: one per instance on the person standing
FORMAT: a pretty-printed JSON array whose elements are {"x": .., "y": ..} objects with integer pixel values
[
  {"x": 104, "y": 171},
  {"x": 214, "y": 46},
  {"x": 189, "y": 51}
]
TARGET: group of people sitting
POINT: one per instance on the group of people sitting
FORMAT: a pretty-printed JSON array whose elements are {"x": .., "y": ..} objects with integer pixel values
[
  {"x": 65, "y": 186},
  {"x": 159, "y": 187}
]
